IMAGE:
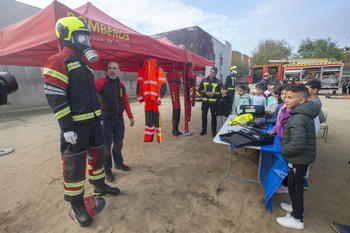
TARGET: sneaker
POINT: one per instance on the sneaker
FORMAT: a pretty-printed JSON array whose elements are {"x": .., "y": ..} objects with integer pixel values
[
  {"x": 305, "y": 185},
  {"x": 340, "y": 227},
  {"x": 104, "y": 189},
  {"x": 282, "y": 189},
  {"x": 202, "y": 133},
  {"x": 291, "y": 222},
  {"x": 122, "y": 167},
  {"x": 109, "y": 176},
  {"x": 286, "y": 207},
  {"x": 80, "y": 213}
]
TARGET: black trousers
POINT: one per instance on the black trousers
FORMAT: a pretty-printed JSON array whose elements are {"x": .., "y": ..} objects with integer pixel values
[
  {"x": 296, "y": 173},
  {"x": 205, "y": 108},
  {"x": 89, "y": 147},
  {"x": 231, "y": 93}
]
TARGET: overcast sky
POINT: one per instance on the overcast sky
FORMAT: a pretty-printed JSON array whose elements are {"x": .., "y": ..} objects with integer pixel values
[{"x": 243, "y": 23}]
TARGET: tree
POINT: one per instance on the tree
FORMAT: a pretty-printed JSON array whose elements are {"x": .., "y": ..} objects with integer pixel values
[
  {"x": 271, "y": 50},
  {"x": 319, "y": 48},
  {"x": 242, "y": 69}
]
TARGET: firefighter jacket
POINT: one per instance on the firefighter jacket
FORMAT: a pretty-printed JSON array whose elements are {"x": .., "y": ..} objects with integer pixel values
[
  {"x": 211, "y": 86},
  {"x": 114, "y": 98},
  {"x": 230, "y": 82},
  {"x": 70, "y": 89},
  {"x": 151, "y": 82}
]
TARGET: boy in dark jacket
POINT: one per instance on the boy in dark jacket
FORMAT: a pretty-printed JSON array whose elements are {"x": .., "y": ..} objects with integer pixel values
[
  {"x": 224, "y": 107},
  {"x": 299, "y": 149}
]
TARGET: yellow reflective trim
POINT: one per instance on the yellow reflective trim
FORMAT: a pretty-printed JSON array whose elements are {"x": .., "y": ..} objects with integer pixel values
[
  {"x": 98, "y": 112},
  {"x": 205, "y": 86},
  {"x": 209, "y": 99},
  {"x": 97, "y": 177},
  {"x": 74, "y": 193},
  {"x": 56, "y": 74},
  {"x": 92, "y": 71},
  {"x": 73, "y": 65},
  {"x": 83, "y": 116},
  {"x": 70, "y": 184},
  {"x": 62, "y": 113},
  {"x": 214, "y": 87},
  {"x": 98, "y": 171}
]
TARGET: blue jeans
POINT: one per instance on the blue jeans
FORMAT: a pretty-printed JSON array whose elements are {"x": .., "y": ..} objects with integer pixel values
[{"x": 113, "y": 134}]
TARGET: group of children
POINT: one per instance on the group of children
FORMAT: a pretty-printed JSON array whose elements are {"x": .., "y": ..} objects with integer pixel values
[{"x": 296, "y": 113}]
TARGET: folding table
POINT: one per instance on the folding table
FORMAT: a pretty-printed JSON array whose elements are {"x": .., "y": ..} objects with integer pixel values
[{"x": 272, "y": 167}]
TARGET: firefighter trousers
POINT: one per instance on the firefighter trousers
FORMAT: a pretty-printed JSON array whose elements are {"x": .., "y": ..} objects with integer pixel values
[
  {"x": 205, "y": 108},
  {"x": 89, "y": 145},
  {"x": 153, "y": 123}
]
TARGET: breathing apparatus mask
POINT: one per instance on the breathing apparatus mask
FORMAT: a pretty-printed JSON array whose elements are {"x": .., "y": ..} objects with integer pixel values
[
  {"x": 81, "y": 42},
  {"x": 74, "y": 33}
]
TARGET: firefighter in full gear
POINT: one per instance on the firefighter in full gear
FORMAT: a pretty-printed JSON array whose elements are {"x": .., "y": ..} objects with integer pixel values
[
  {"x": 151, "y": 87},
  {"x": 210, "y": 90},
  {"x": 71, "y": 93},
  {"x": 231, "y": 83}
]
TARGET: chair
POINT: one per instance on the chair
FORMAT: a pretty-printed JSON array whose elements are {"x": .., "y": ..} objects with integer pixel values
[{"x": 324, "y": 125}]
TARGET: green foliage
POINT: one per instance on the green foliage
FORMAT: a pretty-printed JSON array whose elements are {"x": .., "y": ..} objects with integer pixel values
[
  {"x": 319, "y": 48},
  {"x": 271, "y": 50},
  {"x": 242, "y": 69}
]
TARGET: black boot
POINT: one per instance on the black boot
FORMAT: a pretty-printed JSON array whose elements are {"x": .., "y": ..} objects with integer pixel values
[
  {"x": 175, "y": 133},
  {"x": 104, "y": 189},
  {"x": 179, "y": 132},
  {"x": 80, "y": 213}
]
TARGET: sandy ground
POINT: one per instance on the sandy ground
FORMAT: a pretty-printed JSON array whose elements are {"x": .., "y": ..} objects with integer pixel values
[{"x": 172, "y": 186}]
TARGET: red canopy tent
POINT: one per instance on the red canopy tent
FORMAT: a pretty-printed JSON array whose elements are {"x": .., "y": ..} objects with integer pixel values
[
  {"x": 31, "y": 41},
  {"x": 198, "y": 62}
]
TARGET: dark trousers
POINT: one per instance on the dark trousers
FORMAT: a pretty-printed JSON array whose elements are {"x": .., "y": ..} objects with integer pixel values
[
  {"x": 231, "y": 93},
  {"x": 296, "y": 175},
  {"x": 205, "y": 108},
  {"x": 113, "y": 134},
  {"x": 89, "y": 145}
]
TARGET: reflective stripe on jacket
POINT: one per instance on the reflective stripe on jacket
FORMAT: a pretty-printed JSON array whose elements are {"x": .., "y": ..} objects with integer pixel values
[
  {"x": 213, "y": 86},
  {"x": 151, "y": 82},
  {"x": 70, "y": 89}
]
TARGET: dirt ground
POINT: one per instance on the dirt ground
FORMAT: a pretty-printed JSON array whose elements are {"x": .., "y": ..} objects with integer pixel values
[{"x": 172, "y": 186}]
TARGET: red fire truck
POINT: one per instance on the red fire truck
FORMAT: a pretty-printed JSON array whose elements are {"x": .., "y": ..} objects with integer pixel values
[{"x": 328, "y": 73}]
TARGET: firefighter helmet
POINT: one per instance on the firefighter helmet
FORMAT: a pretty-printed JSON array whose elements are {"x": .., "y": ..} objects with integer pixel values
[
  {"x": 67, "y": 25},
  {"x": 233, "y": 70}
]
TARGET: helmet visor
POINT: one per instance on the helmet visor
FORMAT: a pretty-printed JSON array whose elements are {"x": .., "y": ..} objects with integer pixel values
[{"x": 82, "y": 39}]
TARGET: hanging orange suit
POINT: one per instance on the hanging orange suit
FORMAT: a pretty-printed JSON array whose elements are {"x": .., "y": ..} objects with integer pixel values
[{"x": 151, "y": 87}]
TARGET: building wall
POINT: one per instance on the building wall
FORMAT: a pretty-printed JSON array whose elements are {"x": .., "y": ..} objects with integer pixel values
[
  {"x": 12, "y": 11},
  {"x": 235, "y": 55},
  {"x": 222, "y": 51},
  {"x": 198, "y": 41}
]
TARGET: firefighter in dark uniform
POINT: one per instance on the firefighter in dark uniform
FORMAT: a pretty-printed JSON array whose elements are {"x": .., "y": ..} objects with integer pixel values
[
  {"x": 71, "y": 93},
  {"x": 230, "y": 83},
  {"x": 210, "y": 90}
]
